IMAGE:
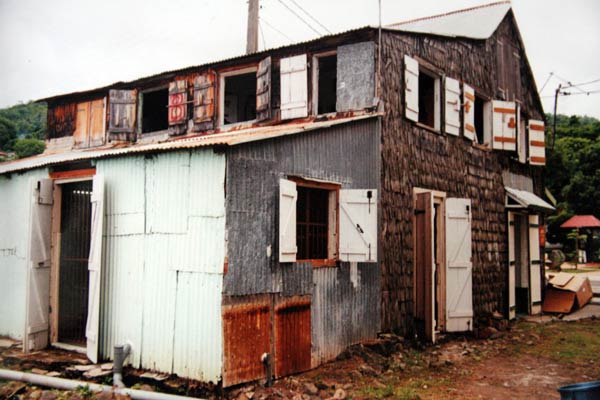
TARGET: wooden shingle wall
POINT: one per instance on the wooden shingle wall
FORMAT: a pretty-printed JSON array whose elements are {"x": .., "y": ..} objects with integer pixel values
[{"x": 416, "y": 157}]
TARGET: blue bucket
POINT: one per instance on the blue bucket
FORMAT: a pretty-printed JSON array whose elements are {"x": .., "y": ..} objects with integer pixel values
[{"x": 580, "y": 391}]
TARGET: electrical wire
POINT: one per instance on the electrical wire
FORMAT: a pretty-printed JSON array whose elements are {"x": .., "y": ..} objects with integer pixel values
[
  {"x": 275, "y": 29},
  {"x": 545, "y": 83},
  {"x": 572, "y": 94},
  {"x": 310, "y": 16},
  {"x": 262, "y": 35},
  {"x": 582, "y": 84},
  {"x": 300, "y": 18},
  {"x": 569, "y": 83}
]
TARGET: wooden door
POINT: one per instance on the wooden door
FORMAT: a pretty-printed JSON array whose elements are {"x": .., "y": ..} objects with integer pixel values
[{"x": 424, "y": 266}]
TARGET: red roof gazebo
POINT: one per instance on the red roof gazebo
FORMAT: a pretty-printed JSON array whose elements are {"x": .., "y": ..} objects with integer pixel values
[{"x": 577, "y": 222}]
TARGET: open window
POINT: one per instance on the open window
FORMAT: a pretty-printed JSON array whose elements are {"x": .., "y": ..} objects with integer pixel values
[
  {"x": 324, "y": 83},
  {"x": 154, "y": 110},
  {"x": 477, "y": 116},
  {"x": 320, "y": 222},
  {"x": 238, "y": 96},
  {"x": 422, "y": 94}
]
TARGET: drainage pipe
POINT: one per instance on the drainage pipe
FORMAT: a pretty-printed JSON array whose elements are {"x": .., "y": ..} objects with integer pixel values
[
  {"x": 67, "y": 384},
  {"x": 121, "y": 353}
]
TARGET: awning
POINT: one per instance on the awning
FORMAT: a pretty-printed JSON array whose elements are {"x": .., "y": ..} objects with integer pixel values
[{"x": 516, "y": 198}]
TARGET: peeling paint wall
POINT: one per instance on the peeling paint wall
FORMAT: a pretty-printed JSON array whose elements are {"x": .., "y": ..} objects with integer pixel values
[
  {"x": 164, "y": 247},
  {"x": 14, "y": 242}
]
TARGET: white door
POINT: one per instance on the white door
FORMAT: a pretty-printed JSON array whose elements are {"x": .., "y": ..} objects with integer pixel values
[
  {"x": 535, "y": 264},
  {"x": 512, "y": 302},
  {"x": 459, "y": 292},
  {"x": 358, "y": 225},
  {"x": 95, "y": 268},
  {"x": 38, "y": 267}
]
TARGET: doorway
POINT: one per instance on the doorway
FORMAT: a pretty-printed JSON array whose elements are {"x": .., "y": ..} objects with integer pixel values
[
  {"x": 72, "y": 270},
  {"x": 521, "y": 238}
]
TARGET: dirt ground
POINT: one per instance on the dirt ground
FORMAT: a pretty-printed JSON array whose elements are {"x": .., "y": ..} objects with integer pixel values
[{"x": 525, "y": 360}]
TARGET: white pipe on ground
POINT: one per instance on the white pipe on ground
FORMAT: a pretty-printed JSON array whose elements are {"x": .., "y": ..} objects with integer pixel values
[{"x": 67, "y": 384}]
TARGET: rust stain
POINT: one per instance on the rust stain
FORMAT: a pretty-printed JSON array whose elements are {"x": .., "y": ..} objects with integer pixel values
[
  {"x": 292, "y": 337},
  {"x": 61, "y": 120},
  {"x": 247, "y": 336}
]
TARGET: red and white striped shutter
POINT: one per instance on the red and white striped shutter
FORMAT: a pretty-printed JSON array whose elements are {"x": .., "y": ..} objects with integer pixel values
[
  {"x": 288, "y": 197},
  {"x": 452, "y": 109},
  {"x": 411, "y": 88},
  {"x": 469, "y": 112},
  {"x": 178, "y": 102},
  {"x": 535, "y": 264},
  {"x": 294, "y": 87},
  {"x": 537, "y": 144},
  {"x": 504, "y": 125}
]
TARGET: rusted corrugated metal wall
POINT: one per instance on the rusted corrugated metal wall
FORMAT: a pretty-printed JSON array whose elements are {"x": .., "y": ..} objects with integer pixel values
[
  {"x": 346, "y": 306},
  {"x": 347, "y": 154},
  {"x": 164, "y": 249}
]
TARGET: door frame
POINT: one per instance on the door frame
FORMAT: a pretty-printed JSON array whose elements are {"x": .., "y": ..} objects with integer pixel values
[{"x": 55, "y": 263}]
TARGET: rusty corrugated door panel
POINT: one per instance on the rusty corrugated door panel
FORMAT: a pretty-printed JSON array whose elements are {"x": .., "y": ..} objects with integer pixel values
[
  {"x": 263, "y": 90},
  {"x": 121, "y": 125},
  {"x": 61, "y": 120},
  {"x": 246, "y": 337},
  {"x": 97, "y": 122},
  {"x": 292, "y": 336},
  {"x": 177, "y": 102},
  {"x": 81, "y": 135},
  {"x": 204, "y": 101}
]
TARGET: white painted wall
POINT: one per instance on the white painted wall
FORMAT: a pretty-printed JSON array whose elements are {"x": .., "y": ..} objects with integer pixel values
[
  {"x": 164, "y": 248},
  {"x": 14, "y": 238}
]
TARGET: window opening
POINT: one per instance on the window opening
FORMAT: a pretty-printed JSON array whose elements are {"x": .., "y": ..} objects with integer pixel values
[
  {"x": 327, "y": 84},
  {"x": 428, "y": 93},
  {"x": 312, "y": 223},
  {"x": 479, "y": 125},
  {"x": 240, "y": 98},
  {"x": 155, "y": 111}
]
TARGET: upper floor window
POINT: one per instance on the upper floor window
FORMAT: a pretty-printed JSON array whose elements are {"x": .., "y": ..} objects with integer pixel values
[
  {"x": 238, "y": 96},
  {"x": 154, "y": 110},
  {"x": 324, "y": 83},
  {"x": 421, "y": 94}
]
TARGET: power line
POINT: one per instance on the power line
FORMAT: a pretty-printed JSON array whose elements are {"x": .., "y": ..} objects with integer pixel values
[
  {"x": 583, "y": 84},
  {"x": 262, "y": 35},
  {"x": 547, "y": 80},
  {"x": 569, "y": 83},
  {"x": 300, "y": 18},
  {"x": 310, "y": 16},
  {"x": 573, "y": 94},
  {"x": 275, "y": 29}
]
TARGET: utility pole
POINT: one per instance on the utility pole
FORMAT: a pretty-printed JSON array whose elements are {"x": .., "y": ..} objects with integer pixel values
[
  {"x": 556, "y": 93},
  {"x": 252, "y": 34}
]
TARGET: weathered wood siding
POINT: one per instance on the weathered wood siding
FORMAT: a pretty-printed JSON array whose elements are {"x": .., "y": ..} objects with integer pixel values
[{"x": 416, "y": 157}]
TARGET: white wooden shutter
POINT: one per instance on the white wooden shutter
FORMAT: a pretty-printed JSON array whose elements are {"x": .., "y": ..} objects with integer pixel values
[
  {"x": 288, "y": 196},
  {"x": 294, "y": 87},
  {"x": 459, "y": 292},
  {"x": 535, "y": 264},
  {"x": 512, "y": 304},
  {"x": 95, "y": 268},
  {"x": 469, "y": 112},
  {"x": 504, "y": 124},
  {"x": 522, "y": 140},
  {"x": 537, "y": 144},
  {"x": 411, "y": 88},
  {"x": 452, "y": 109},
  {"x": 38, "y": 267},
  {"x": 358, "y": 225}
]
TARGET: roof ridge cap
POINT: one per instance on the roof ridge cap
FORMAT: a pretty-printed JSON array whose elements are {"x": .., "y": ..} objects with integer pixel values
[{"x": 497, "y": 3}]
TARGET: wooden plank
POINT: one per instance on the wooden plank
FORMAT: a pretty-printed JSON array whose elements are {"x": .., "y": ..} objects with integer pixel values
[
  {"x": 538, "y": 143},
  {"x": 504, "y": 139},
  {"x": 76, "y": 173},
  {"x": 504, "y": 110}
]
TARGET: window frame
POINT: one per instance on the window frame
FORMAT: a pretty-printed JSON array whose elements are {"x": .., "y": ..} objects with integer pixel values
[
  {"x": 315, "y": 80},
  {"x": 437, "y": 97},
  {"x": 223, "y": 75},
  {"x": 140, "y": 112},
  {"x": 333, "y": 253}
]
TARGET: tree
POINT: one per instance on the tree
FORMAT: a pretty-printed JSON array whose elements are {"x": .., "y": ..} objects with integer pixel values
[
  {"x": 8, "y": 134},
  {"x": 28, "y": 119},
  {"x": 29, "y": 147}
]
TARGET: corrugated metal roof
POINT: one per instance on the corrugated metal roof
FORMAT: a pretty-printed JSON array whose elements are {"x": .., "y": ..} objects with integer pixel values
[
  {"x": 230, "y": 138},
  {"x": 527, "y": 199},
  {"x": 475, "y": 23}
]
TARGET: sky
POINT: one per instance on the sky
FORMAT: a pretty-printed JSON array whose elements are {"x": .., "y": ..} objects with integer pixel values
[{"x": 60, "y": 46}]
